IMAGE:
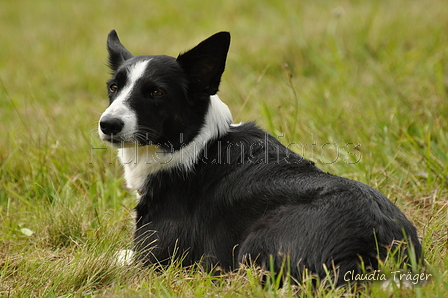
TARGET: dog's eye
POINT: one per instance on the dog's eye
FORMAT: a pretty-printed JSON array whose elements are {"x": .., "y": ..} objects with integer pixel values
[
  {"x": 113, "y": 88},
  {"x": 156, "y": 93}
]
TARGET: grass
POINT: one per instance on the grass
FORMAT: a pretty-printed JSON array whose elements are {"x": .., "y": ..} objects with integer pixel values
[{"x": 360, "y": 87}]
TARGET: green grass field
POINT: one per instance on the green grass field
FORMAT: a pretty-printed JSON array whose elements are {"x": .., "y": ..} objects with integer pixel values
[{"x": 359, "y": 87}]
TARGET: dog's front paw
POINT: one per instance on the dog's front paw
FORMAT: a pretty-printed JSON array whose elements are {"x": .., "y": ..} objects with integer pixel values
[{"x": 124, "y": 257}]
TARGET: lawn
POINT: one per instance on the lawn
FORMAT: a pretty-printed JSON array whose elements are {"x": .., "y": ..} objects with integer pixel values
[{"x": 359, "y": 87}]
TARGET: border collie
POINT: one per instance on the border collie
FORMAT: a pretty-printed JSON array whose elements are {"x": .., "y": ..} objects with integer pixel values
[{"x": 224, "y": 194}]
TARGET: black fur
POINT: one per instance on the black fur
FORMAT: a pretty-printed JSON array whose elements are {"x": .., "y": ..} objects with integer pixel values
[
  {"x": 247, "y": 197},
  {"x": 117, "y": 52}
]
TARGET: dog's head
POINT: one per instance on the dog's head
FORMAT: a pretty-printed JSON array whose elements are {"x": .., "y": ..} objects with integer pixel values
[{"x": 160, "y": 99}]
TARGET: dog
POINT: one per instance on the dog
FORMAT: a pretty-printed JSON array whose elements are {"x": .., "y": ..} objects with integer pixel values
[{"x": 223, "y": 194}]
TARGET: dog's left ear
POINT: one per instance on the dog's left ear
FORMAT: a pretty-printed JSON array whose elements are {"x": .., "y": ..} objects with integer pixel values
[
  {"x": 205, "y": 63},
  {"x": 117, "y": 52}
]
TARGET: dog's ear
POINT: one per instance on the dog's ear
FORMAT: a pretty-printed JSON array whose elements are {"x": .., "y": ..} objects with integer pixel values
[
  {"x": 117, "y": 52},
  {"x": 205, "y": 63}
]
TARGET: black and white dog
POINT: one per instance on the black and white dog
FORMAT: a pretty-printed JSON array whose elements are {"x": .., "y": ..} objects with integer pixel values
[{"x": 224, "y": 194}]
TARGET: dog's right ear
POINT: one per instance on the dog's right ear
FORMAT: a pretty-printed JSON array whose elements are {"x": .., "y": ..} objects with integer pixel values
[{"x": 117, "y": 52}]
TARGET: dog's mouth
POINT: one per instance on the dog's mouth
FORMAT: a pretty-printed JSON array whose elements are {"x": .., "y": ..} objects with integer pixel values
[
  {"x": 120, "y": 141},
  {"x": 113, "y": 140}
]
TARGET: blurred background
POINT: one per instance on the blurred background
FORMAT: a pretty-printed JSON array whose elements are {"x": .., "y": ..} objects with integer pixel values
[
  {"x": 344, "y": 81},
  {"x": 359, "y": 87}
]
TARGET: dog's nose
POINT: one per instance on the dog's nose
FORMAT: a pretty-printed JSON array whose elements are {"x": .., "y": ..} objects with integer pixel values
[{"x": 111, "y": 126}]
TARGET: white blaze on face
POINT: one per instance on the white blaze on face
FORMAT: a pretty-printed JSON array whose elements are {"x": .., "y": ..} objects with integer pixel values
[{"x": 119, "y": 108}]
